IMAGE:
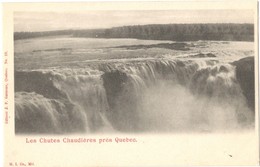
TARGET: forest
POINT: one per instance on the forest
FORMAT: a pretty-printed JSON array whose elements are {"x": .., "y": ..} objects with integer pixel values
[{"x": 173, "y": 32}]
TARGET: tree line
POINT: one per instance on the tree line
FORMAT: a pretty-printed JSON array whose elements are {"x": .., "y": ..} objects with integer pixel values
[
  {"x": 26, "y": 35},
  {"x": 174, "y": 32}
]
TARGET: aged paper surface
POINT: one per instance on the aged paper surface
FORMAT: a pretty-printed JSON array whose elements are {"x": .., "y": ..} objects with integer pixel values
[{"x": 130, "y": 83}]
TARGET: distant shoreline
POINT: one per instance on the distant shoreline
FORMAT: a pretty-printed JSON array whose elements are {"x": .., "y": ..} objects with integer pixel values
[{"x": 170, "y": 32}]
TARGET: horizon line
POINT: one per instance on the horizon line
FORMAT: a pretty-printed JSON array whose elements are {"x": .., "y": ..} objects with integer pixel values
[{"x": 75, "y": 29}]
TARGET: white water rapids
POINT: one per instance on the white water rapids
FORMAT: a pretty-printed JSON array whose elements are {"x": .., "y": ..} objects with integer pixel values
[{"x": 162, "y": 95}]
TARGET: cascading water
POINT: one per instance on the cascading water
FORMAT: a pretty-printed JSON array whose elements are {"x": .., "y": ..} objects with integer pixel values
[
  {"x": 37, "y": 114},
  {"x": 132, "y": 96}
]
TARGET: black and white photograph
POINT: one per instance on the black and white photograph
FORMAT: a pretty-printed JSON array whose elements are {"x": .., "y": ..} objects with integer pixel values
[{"x": 134, "y": 71}]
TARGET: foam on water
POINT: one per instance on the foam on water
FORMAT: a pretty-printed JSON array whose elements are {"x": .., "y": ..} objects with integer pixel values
[{"x": 135, "y": 96}]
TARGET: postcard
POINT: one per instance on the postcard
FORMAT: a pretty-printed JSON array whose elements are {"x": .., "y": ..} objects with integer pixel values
[{"x": 160, "y": 83}]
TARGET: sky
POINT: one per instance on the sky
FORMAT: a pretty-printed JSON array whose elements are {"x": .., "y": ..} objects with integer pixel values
[{"x": 48, "y": 21}]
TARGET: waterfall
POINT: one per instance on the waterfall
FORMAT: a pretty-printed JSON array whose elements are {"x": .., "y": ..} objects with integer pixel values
[{"x": 131, "y": 96}]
